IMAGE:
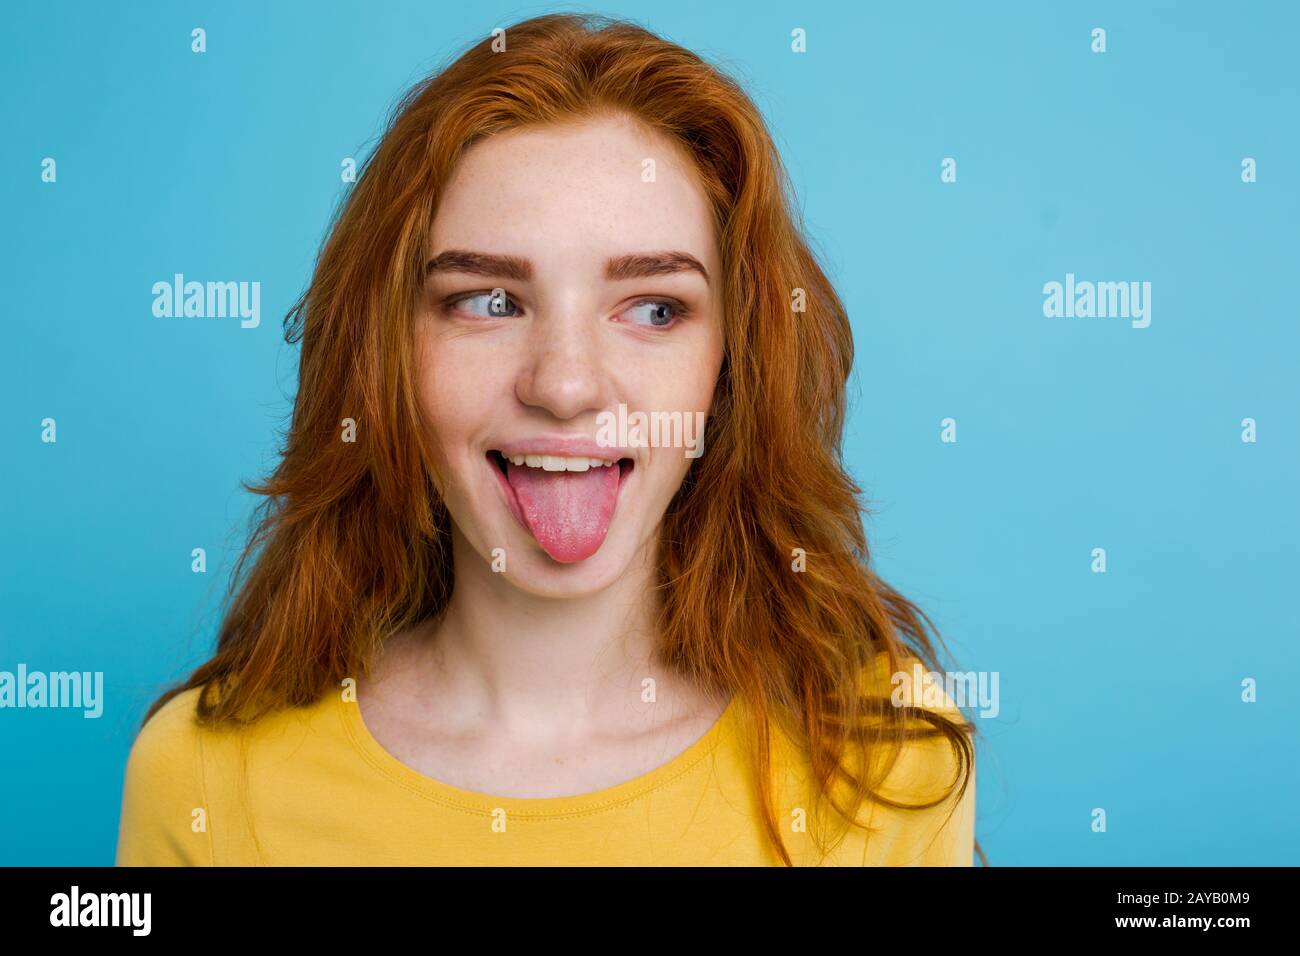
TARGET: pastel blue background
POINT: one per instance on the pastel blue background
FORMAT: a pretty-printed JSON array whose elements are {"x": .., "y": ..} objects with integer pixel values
[{"x": 1119, "y": 690}]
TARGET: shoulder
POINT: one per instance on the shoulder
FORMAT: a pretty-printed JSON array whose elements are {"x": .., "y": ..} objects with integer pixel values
[
  {"x": 908, "y": 682},
  {"x": 931, "y": 721},
  {"x": 920, "y": 769},
  {"x": 163, "y": 788},
  {"x": 931, "y": 770},
  {"x": 167, "y": 745},
  {"x": 192, "y": 790}
]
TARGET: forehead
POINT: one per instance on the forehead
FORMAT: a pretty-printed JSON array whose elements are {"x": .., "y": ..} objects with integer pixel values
[{"x": 578, "y": 185}]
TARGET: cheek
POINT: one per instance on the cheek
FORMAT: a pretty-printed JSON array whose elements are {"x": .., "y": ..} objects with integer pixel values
[
  {"x": 698, "y": 375},
  {"x": 452, "y": 397},
  {"x": 684, "y": 377},
  {"x": 686, "y": 385}
]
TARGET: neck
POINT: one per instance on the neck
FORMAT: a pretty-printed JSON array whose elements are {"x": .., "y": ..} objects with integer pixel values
[{"x": 537, "y": 664}]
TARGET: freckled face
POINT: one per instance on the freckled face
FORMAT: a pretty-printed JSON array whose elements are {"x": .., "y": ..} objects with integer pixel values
[{"x": 542, "y": 214}]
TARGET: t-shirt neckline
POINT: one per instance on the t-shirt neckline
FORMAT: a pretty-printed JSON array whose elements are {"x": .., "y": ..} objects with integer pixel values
[{"x": 532, "y": 807}]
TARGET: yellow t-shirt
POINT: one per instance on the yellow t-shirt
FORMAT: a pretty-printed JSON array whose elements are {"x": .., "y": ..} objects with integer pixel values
[{"x": 320, "y": 790}]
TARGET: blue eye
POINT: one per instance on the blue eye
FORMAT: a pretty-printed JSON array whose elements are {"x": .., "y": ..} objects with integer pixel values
[
  {"x": 661, "y": 313},
  {"x": 496, "y": 304}
]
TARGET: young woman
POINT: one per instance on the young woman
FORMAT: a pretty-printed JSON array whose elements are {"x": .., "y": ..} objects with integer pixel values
[{"x": 481, "y": 624}]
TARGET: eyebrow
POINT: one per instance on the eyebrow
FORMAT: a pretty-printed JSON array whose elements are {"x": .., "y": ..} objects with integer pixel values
[{"x": 636, "y": 266}]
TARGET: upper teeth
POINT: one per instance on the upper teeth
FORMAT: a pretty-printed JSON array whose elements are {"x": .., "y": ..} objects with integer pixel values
[{"x": 558, "y": 463}]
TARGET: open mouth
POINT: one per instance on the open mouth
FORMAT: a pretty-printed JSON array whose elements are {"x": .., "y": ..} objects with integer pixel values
[{"x": 565, "y": 502}]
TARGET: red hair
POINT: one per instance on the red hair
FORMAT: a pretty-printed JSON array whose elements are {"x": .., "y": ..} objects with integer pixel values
[{"x": 352, "y": 542}]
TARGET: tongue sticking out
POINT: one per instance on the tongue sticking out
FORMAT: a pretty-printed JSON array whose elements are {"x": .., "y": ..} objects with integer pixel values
[{"x": 568, "y": 512}]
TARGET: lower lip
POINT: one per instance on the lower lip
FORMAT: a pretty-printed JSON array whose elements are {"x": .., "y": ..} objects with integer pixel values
[{"x": 512, "y": 500}]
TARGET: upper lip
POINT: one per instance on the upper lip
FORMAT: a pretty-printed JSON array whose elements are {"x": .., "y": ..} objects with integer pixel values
[{"x": 576, "y": 446}]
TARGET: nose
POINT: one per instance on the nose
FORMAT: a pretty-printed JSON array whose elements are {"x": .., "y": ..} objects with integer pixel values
[{"x": 564, "y": 373}]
